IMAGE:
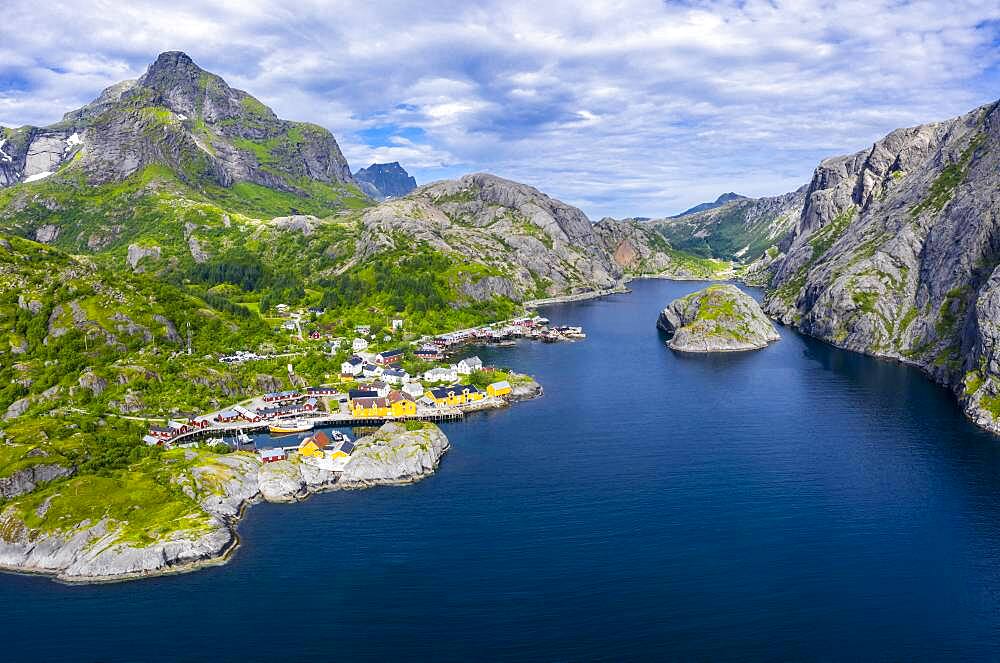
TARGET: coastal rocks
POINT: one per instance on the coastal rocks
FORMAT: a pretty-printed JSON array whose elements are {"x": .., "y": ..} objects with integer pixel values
[
  {"x": 895, "y": 255},
  {"x": 28, "y": 479},
  {"x": 281, "y": 482},
  {"x": 227, "y": 484},
  {"x": 222, "y": 487},
  {"x": 92, "y": 552},
  {"x": 394, "y": 454},
  {"x": 524, "y": 389},
  {"x": 720, "y": 318}
]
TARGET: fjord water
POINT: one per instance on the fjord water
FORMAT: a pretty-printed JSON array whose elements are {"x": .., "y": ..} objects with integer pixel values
[{"x": 796, "y": 502}]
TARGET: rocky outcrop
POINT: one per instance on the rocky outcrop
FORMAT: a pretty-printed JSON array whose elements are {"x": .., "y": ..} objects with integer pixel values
[
  {"x": 394, "y": 454},
  {"x": 720, "y": 318},
  {"x": 525, "y": 389},
  {"x": 896, "y": 251},
  {"x": 385, "y": 180},
  {"x": 137, "y": 253},
  {"x": 640, "y": 250},
  {"x": 17, "y": 408},
  {"x": 28, "y": 479}
]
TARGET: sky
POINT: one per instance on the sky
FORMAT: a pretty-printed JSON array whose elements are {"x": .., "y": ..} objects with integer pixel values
[{"x": 623, "y": 108}]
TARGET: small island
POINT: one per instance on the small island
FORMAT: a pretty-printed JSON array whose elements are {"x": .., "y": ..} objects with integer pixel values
[{"x": 719, "y": 318}]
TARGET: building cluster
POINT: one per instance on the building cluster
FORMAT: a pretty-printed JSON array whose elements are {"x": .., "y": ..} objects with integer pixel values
[{"x": 326, "y": 451}]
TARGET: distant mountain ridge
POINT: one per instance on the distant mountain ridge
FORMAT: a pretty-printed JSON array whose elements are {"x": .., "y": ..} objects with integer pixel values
[
  {"x": 385, "y": 180},
  {"x": 718, "y": 202}
]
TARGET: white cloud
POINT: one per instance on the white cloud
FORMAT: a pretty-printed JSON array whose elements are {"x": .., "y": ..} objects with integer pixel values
[{"x": 629, "y": 107}]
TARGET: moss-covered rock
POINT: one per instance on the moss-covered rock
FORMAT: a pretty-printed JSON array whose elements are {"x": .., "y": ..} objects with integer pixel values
[{"x": 720, "y": 318}]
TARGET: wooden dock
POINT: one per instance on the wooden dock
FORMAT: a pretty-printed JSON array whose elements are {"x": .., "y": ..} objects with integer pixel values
[{"x": 445, "y": 413}]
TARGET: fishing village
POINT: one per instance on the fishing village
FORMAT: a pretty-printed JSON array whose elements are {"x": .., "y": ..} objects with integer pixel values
[{"x": 372, "y": 389}]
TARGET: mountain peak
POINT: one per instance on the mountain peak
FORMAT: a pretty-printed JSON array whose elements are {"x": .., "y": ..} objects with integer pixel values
[
  {"x": 169, "y": 67},
  {"x": 385, "y": 180}
]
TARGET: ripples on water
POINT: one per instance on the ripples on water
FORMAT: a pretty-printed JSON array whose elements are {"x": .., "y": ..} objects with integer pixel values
[{"x": 797, "y": 502}]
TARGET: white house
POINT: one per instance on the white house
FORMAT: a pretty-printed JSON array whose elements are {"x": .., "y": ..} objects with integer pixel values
[
  {"x": 359, "y": 344},
  {"x": 371, "y": 370},
  {"x": 395, "y": 375},
  {"x": 441, "y": 375},
  {"x": 352, "y": 366},
  {"x": 397, "y": 324},
  {"x": 468, "y": 365},
  {"x": 413, "y": 390},
  {"x": 363, "y": 330},
  {"x": 379, "y": 387}
]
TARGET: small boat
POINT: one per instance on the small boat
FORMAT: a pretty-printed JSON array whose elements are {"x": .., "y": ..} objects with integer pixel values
[
  {"x": 290, "y": 426},
  {"x": 243, "y": 438}
]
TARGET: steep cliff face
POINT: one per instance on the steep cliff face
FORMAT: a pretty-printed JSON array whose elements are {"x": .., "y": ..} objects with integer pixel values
[{"x": 896, "y": 252}]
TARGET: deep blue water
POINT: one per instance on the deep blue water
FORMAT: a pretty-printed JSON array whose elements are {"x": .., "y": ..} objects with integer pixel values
[{"x": 797, "y": 502}]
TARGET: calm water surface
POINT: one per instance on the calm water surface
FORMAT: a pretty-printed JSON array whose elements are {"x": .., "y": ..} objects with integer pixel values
[{"x": 797, "y": 502}]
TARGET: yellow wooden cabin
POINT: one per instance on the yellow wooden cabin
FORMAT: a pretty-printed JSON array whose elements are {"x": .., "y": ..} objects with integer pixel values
[
  {"x": 400, "y": 405},
  {"x": 501, "y": 388},
  {"x": 369, "y": 408},
  {"x": 314, "y": 445},
  {"x": 458, "y": 394}
]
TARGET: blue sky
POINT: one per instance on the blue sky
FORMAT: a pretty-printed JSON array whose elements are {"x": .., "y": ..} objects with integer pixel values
[{"x": 625, "y": 108}]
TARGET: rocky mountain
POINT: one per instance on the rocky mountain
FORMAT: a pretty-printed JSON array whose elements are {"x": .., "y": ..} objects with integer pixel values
[
  {"x": 385, "y": 180},
  {"x": 739, "y": 229},
  {"x": 896, "y": 252},
  {"x": 151, "y": 160},
  {"x": 718, "y": 202},
  {"x": 527, "y": 244},
  {"x": 182, "y": 117}
]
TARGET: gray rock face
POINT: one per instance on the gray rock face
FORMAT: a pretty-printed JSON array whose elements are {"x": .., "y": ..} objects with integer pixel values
[
  {"x": 199, "y": 254},
  {"x": 281, "y": 482},
  {"x": 638, "y": 249},
  {"x": 47, "y": 233},
  {"x": 24, "y": 481},
  {"x": 137, "y": 253},
  {"x": 720, "y": 318},
  {"x": 92, "y": 382},
  {"x": 385, "y": 180},
  {"x": 17, "y": 408},
  {"x": 895, "y": 253}
]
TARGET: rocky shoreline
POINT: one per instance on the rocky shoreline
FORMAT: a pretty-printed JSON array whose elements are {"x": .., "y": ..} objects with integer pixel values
[{"x": 225, "y": 487}]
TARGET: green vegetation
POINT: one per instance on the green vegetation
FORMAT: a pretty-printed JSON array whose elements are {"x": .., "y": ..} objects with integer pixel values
[
  {"x": 725, "y": 233},
  {"x": 416, "y": 282}
]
